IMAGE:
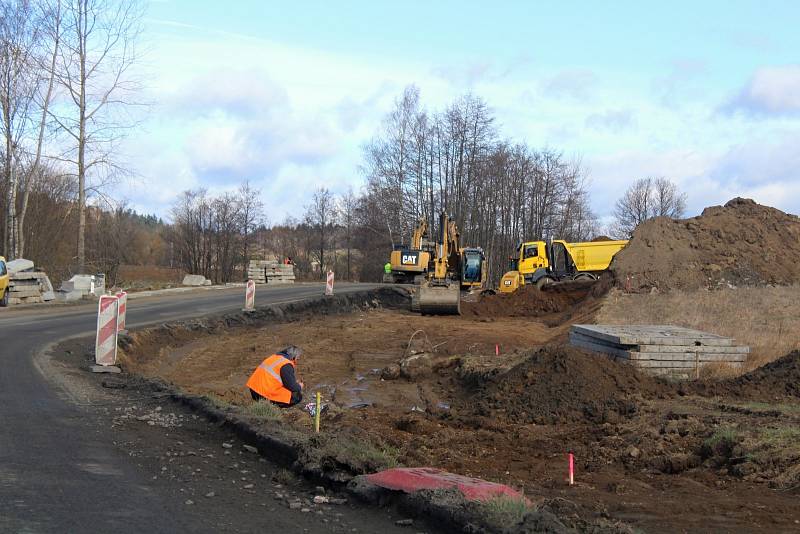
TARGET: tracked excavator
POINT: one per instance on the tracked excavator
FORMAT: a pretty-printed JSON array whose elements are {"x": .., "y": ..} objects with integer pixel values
[
  {"x": 453, "y": 269},
  {"x": 409, "y": 262}
]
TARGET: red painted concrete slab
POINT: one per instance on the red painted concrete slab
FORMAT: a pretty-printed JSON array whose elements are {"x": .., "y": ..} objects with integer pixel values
[{"x": 411, "y": 479}]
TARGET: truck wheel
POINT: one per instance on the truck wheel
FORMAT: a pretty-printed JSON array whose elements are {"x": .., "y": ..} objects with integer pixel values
[{"x": 4, "y": 300}]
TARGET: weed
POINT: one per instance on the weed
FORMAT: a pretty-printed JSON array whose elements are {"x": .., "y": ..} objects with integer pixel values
[
  {"x": 505, "y": 512},
  {"x": 781, "y": 437},
  {"x": 282, "y": 476},
  {"x": 262, "y": 410},
  {"x": 720, "y": 443}
]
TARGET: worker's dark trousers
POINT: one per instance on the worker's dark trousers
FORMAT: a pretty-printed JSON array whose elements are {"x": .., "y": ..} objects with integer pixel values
[{"x": 296, "y": 397}]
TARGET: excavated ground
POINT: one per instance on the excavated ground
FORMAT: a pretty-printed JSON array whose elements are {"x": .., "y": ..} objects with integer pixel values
[{"x": 433, "y": 391}]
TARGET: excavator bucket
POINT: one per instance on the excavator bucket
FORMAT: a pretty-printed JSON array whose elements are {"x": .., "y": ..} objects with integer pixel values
[{"x": 439, "y": 299}]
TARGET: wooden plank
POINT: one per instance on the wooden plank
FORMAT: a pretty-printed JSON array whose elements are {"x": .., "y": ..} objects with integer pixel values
[{"x": 651, "y": 335}]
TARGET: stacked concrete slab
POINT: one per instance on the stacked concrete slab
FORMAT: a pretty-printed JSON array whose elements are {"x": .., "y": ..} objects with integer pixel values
[
  {"x": 26, "y": 285},
  {"x": 660, "y": 349},
  {"x": 270, "y": 272}
]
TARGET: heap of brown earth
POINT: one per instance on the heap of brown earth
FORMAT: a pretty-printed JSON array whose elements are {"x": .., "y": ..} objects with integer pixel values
[
  {"x": 558, "y": 384},
  {"x": 739, "y": 244}
]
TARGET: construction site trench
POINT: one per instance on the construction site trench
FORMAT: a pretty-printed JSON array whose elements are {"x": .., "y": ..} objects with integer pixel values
[{"x": 499, "y": 394}]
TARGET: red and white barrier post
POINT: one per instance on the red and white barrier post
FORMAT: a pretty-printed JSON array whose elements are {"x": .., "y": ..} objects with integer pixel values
[
  {"x": 329, "y": 284},
  {"x": 571, "y": 469},
  {"x": 250, "y": 296},
  {"x": 123, "y": 308},
  {"x": 105, "y": 347}
]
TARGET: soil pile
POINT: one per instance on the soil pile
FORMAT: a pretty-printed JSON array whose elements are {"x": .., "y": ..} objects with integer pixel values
[
  {"x": 777, "y": 379},
  {"x": 529, "y": 301},
  {"x": 560, "y": 384},
  {"x": 739, "y": 244}
]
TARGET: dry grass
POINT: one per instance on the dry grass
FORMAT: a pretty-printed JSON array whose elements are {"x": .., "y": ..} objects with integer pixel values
[{"x": 765, "y": 318}]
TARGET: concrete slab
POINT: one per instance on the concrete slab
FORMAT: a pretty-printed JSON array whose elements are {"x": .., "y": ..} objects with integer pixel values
[
  {"x": 18, "y": 265},
  {"x": 651, "y": 335}
]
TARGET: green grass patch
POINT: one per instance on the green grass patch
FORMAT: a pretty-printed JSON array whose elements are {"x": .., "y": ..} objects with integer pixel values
[
  {"x": 262, "y": 410},
  {"x": 767, "y": 407},
  {"x": 505, "y": 512}
]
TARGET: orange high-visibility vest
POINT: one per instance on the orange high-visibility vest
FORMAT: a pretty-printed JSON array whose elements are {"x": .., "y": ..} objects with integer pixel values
[{"x": 266, "y": 379}]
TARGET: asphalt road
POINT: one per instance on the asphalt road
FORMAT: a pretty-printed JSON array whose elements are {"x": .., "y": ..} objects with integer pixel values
[{"x": 57, "y": 472}]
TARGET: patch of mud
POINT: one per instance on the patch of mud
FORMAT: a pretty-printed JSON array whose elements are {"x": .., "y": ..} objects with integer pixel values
[
  {"x": 739, "y": 244},
  {"x": 560, "y": 384}
]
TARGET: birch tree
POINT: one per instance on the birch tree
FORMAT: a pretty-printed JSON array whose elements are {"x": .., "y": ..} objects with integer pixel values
[{"x": 95, "y": 72}]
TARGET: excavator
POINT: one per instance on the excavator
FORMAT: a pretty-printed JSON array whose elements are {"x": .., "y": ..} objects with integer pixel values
[
  {"x": 453, "y": 269},
  {"x": 541, "y": 263},
  {"x": 409, "y": 262}
]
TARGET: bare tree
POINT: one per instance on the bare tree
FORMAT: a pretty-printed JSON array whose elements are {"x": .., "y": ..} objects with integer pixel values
[
  {"x": 320, "y": 215},
  {"x": 348, "y": 204},
  {"x": 644, "y": 199},
  {"x": 251, "y": 210},
  {"x": 94, "y": 69}
]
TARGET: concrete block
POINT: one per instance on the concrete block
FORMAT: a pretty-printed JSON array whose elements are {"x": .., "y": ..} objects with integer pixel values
[
  {"x": 69, "y": 296},
  {"x": 194, "y": 280}
]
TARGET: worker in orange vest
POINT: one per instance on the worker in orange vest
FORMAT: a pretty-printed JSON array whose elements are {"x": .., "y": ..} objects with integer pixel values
[{"x": 275, "y": 379}]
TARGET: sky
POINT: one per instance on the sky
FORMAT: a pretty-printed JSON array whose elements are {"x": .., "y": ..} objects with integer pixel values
[{"x": 285, "y": 94}]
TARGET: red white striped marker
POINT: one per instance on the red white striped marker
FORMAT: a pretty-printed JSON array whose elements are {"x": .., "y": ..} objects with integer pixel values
[
  {"x": 497, "y": 350},
  {"x": 329, "y": 284},
  {"x": 571, "y": 469},
  {"x": 250, "y": 296},
  {"x": 123, "y": 308},
  {"x": 105, "y": 347}
]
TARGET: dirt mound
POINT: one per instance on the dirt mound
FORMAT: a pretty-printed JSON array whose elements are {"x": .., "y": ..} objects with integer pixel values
[
  {"x": 739, "y": 244},
  {"x": 561, "y": 383},
  {"x": 529, "y": 301},
  {"x": 777, "y": 379}
]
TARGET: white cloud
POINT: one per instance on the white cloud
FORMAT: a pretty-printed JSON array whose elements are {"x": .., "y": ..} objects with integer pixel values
[{"x": 771, "y": 90}]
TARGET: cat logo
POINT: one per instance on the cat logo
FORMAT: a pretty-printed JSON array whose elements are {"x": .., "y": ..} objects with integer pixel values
[
  {"x": 507, "y": 282},
  {"x": 409, "y": 259}
]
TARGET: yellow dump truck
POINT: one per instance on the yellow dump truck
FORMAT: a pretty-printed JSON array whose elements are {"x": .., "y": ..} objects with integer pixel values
[
  {"x": 540, "y": 263},
  {"x": 3, "y": 282}
]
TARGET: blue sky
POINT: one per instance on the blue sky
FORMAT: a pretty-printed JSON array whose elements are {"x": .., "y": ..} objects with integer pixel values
[{"x": 284, "y": 94}]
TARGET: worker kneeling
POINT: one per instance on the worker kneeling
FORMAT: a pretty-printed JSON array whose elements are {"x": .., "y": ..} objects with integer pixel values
[{"x": 275, "y": 379}]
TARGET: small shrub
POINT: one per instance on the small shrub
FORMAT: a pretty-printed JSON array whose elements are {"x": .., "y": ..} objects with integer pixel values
[{"x": 505, "y": 512}]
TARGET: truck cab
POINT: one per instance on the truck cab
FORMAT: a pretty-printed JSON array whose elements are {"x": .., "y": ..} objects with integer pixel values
[{"x": 4, "y": 281}]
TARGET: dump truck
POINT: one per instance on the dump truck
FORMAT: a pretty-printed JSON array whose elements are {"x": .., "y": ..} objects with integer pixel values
[
  {"x": 412, "y": 261},
  {"x": 4, "y": 282},
  {"x": 541, "y": 263}
]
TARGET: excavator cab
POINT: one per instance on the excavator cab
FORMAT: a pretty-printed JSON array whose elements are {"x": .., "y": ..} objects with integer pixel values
[{"x": 473, "y": 268}]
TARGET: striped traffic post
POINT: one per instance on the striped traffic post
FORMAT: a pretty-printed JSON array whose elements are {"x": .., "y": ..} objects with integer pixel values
[
  {"x": 250, "y": 296},
  {"x": 105, "y": 347},
  {"x": 329, "y": 284},
  {"x": 123, "y": 308}
]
